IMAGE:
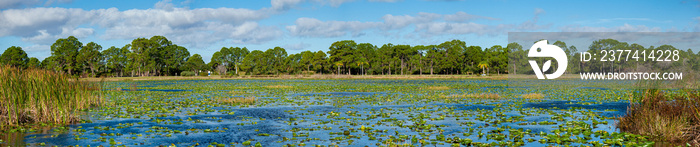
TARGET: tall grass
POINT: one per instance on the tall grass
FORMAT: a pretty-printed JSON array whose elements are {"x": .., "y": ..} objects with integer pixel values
[
  {"x": 34, "y": 95},
  {"x": 665, "y": 115}
]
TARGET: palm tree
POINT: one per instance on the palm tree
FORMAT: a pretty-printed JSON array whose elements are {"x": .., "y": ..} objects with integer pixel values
[
  {"x": 338, "y": 64},
  {"x": 361, "y": 64},
  {"x": 482, "y": 65}
]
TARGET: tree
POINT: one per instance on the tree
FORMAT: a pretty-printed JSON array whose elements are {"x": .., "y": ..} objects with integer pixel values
[
  {"x": 365, "y": 53},
  {"x": 472, "y": 56},
  {"x": 386, "y": 57},
  {"x": 14, "y": 56},
  {"x": 277, "y": 59},
  {"x": 293, "y": 63},
  {"x": 50, "y": 63},
  {"x": 116, "y": 59},
  {"x": 140, "y": 54},
  {"x": 343, "y": 52},
  {"x": 417, "y": 59},
  {"x": 482, "y": 65},
  {"x": 90, "y": 56},
  {"x": 34, "y": 63},
  {"x": 254, "y": 63},
  {"x": 338, "y": 65},
  {"x": 307, "y": 59},
  {"x": 403, "y": 53},
  {"x": 195, "y": 63},
  {"x": 454, "y": 51},
  {"x": 65, "y": 52},
  {"x": 497, "y": 57},
  {"x": 217, "y": 60},
  {"x": 173, "y": 58},
  {"x": 236, "y": 56},
  {"x": 516, "y": 56},
  {"x": 432, "y": 56},
  {"x": 320, "y": 61}
]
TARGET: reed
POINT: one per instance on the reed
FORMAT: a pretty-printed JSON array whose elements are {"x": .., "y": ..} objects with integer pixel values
[
  {"x": 665, "y": 115},
  {"x": 34, "y": 95}
]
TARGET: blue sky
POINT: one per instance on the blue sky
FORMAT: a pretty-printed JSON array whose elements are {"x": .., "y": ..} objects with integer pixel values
[{"x": 297, "y": 25}]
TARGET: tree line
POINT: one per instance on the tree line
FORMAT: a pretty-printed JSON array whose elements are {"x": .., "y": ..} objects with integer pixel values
[{"x": 158, "y": 56}]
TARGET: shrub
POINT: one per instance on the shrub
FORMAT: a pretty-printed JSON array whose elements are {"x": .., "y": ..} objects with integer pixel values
[{"x": 187, "y": 73}]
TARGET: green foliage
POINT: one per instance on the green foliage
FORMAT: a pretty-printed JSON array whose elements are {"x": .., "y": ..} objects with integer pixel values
[
  {"x": 159, "y": 56},
  {"x": 33, "y": 63},
  {"x": 116, "y": 59},
  {"x": 196, "y": 64},
  {"x": 15, "y": 57},
  {"x": 187, "y": 73},
  {"x": 90, "y": 57},
  {"x": 65, "y": 53},
  {"x": 231, "y": 58}
]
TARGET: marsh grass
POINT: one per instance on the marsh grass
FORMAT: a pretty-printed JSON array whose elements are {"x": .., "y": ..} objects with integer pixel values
[
  {"x": 664, "y": 115},
  {"x": 236, "y": 100},
  {"x": 533, "y": 96},
  {"x": 33, "y": 95}
]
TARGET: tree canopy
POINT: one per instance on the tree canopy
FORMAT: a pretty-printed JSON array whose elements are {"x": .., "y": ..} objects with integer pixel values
[{"x": 157, "y": 56}]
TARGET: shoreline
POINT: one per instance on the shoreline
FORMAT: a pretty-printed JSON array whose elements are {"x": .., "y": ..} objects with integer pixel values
[{"x": 325, "y": 76}]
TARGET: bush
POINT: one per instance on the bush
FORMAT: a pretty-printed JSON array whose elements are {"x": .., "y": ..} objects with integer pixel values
[{"x": 187, "y": 73}]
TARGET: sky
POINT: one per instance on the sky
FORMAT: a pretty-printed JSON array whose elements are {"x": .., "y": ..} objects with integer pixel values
[{"x": 204, "y": 27}]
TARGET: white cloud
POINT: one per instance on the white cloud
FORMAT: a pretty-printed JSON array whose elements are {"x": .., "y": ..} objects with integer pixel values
[
  {"x": 298, "y": 46},
  {"x": 38, "y": 51},
  {"x": 165, "y": 5},
  {"x": 623, "y": 28},
  {"x": 532, "y": 24},
  {"x": 12, "y": 4},
  {"x": 182, "y": 25},
  {"x": 4, "y": 4},
  {"x": 284, "y": 4},
  {"x": 426, "y": 24},
  {"x": 697, "y": 24},
  {"x": 388, "y": 1},
  {"x": 45, "y": 38},
  {"x": 335, "y": 3},
  {"x": 395, "y": 22},
  {"x": 463, "y": 17},
  {"x": 50, "y": 2},
  {"x": 316, "y": 28}
]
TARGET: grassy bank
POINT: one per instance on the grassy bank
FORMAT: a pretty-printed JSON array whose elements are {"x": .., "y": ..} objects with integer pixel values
[
  {"x": 33, "y": 96},
  {"x": 671, "y": 116},
  {"x": 325, "y": 76}
]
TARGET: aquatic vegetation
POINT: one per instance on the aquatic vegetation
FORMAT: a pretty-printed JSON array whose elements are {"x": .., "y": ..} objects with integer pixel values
[
  {"x": 533, "y": 96},
  {"x": 278, "y": 86},
  {"x": 436, "y": 88},
  {"x": 41, "y": 96},
  {"x": 477, "y": 96},
  {"x": 351, "y": 112},
  {"x": 237, "y": 100}
]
